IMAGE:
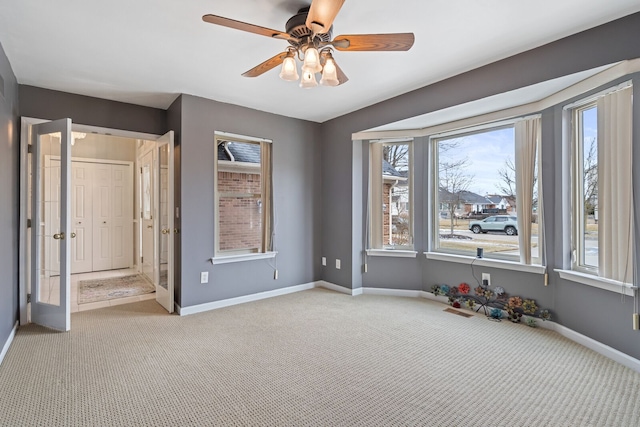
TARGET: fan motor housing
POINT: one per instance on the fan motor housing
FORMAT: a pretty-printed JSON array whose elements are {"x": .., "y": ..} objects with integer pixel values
[{"x": 297, "y": 27}]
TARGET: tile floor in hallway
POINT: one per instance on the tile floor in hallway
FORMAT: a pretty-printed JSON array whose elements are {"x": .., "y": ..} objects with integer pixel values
[{"x": 76, "y": 278}]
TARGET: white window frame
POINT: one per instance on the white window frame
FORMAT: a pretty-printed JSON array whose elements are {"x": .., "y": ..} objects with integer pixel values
[
  {"x": 376, "y": 185},
  {"x": 581, "y": 273},
  {"x": 577, "y": 189},
  {"x": 233, "y": 255},
  {"x": 437, "y": 252}
]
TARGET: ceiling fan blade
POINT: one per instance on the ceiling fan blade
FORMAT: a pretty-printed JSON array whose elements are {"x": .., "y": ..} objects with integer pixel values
[
  {"x": 321, "y": 15},
  {"x": 250, "y": 28},
  {"x": 374, "y": 42},
  {"x": 266, "y": 65}
]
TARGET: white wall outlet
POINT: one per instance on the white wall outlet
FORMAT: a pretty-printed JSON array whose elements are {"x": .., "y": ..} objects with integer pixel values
[
  {"x": 204, "y": 277},
  {"x": 487, "y": 277},
  {"x": 324, "y": 261},
  {"x": 338, "y": 264}
]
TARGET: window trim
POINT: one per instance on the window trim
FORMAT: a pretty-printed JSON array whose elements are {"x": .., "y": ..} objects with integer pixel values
[
  {"x": 589, "y": 275},
  {"x": 577, "y": 187},
  {"x": 434, "y": 241},
  {"x": 486, "y": 262},
  {"x": 235, "y": 255},
  {"x": 395, "y": 250}
]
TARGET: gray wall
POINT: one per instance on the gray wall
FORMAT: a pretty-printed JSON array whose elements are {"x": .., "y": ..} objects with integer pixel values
[
  {"x": 593, "y": 312},
  {"x": 296, "y": 183},
  {"x": 48, "y": 104},
  {"x": 9, "y": 199}
]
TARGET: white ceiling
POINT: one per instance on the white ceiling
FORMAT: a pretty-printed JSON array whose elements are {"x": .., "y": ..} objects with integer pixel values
[{"x": 148, "y": 51}]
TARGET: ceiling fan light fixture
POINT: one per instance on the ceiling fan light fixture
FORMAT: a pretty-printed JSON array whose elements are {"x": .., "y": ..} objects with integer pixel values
[
  {"x": 289, "y": 70},
  {"x": 311, "y": 60},
  {"x": 308, "y": 79},
  {"x": 329, "y": 73}
]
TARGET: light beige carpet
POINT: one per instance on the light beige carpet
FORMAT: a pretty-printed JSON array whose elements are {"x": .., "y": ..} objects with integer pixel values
[{"x": 314, "y": 358}]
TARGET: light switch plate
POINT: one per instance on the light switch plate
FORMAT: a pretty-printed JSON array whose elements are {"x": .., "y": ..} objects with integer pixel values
[{"x": 204, "y": 277}]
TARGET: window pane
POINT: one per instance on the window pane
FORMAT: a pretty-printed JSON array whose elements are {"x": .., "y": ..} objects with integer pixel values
[
  {"x": 239, "y": 186},
  {"x": 240, "y": 223},
  {"x": 396, "y": 221},
  {"x": 588, "y": 213},
  {"x": 477, "y": 194}
]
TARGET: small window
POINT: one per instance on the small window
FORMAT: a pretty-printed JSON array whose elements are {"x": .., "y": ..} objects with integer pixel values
[
  {"x": 602, "y": 185},
  {"x": 243, "y": 196},
  {"x": 390, "y": 206}
]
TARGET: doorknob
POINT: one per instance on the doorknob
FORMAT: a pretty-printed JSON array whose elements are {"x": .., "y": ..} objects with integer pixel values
[
  {"x": 73, "y": 235},
  {"x": 165, "y": 231},
  {"x": 149, "y": 226},
  {"x": 58, "y": 236},
  {"x": 176, "y": 231}
]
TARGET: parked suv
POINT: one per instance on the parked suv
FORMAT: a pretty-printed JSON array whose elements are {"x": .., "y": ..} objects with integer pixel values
[{"x": 506, "y": 223}]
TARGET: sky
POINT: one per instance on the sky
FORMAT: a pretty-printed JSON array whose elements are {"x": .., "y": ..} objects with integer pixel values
[{"x": 486, "y": 152}]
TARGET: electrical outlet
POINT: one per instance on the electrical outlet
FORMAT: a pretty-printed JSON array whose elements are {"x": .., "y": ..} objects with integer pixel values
[
  {"x": 324, "y": 261},
  {"x": 275, "y": 275},
  {"x": 338, "y": 264},
  {"x": 487, "y": 277},
  {"x": 204, "y": 277}
]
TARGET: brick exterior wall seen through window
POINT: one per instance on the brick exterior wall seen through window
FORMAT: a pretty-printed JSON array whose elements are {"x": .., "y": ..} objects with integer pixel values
[{"x": 240, "y": 218}]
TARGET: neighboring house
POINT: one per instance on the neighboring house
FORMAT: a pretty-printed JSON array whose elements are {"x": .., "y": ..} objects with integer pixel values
[
  {"x": 467, "y": 202},
  {"x": 500, "y": 202},
  {"x": 395, "y": 196}
]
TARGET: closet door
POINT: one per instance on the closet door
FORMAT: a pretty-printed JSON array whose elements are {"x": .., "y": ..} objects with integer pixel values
[
  {"x": 121, "y": 216},
  {"x": 102, "y": 221},
  {"x": 81, "y": 217}
]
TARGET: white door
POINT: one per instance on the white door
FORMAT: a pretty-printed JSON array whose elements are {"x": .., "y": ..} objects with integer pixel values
[
  {"x": 81, "y": 217},
  {"x": 51, "y": 226},
  {"x": 121, "y": 217},
  {"x": 146, "y": 206},
  {"x": 102, "y": 224},
  {"x": 163, "y": 265}
]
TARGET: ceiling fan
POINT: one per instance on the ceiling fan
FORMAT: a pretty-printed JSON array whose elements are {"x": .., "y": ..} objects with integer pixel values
[{"x": 309, "y": 35}]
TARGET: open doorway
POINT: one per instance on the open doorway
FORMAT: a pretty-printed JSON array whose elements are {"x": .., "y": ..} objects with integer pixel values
[{"x": 106, "y": 219}]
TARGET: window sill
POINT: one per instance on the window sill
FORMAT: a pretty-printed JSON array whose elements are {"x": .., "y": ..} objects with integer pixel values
[
  {"x": 597, "y": 282},
  {"x": 239, "y": 258},
  {"x": 392, "y": 253},
  {"x": 486, "y": 262}
]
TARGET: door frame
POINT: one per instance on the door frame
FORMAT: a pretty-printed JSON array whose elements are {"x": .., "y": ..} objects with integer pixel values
[{"x": 24, "y": 274}]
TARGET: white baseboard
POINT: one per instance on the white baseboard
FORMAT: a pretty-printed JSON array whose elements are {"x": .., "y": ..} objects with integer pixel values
[
  {"x": 7, "y": 343},
  {"x": 392, "y": 292},
  {"x": 338, "y": 288},
  {"x": 184, "y": 311},
  {"x": 597, "y": 346}
]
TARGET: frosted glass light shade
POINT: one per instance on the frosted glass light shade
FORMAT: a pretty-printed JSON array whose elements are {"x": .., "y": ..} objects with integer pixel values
[
  {"x": 329, "y": 74},
  {"x": 311, "y": 60},
  {"x": 289, "y": 70},
  {"x": 308, "y": 80}
]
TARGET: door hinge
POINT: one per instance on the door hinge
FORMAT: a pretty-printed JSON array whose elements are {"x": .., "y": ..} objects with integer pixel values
[
  {"x": 28, "y": 223},
  {"x": 28, "y": 298},
  {"x": 30, "y": 148}
]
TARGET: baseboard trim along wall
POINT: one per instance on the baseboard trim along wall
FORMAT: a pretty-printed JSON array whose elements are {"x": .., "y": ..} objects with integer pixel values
[
  {"x": 598, "y": 347},
  {"x": 199, "y": 308},
  {"x": 8, "y": 342}
]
